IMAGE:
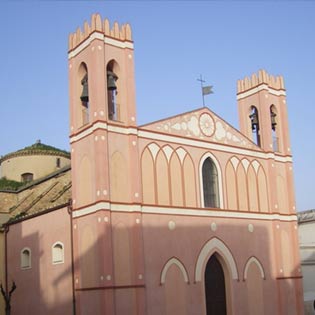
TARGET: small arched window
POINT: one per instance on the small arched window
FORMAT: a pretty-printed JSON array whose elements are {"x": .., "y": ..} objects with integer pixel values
[
  {"x": 210, "y": 184},
  {"x": 57, "y": 253},
  {"x": 25, "y": 258},
  {"x": 27, "y": 177}
]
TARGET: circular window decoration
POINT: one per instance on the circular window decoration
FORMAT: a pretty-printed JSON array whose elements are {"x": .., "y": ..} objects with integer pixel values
[{"x": 206, "y": 124}]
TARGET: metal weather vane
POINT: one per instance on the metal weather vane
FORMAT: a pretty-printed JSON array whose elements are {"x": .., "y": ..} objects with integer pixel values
[{"x": 205, "y": 90}]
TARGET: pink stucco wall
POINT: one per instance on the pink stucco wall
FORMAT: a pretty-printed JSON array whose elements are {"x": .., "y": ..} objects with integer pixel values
[{"x": 45, "y": 288}]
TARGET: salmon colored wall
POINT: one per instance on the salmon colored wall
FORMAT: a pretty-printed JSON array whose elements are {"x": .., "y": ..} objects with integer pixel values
[{"x": 45, "y": 288}]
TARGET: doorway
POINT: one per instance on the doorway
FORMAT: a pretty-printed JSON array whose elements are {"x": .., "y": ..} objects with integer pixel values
[{"x": 215, "y": 287}]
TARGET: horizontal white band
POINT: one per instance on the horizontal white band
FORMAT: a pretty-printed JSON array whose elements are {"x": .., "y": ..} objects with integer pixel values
[
  {"x": 91, "y": 209},
  {"x": 107, "y": 40},
  {"x": 182, "y": 211},
  {"x": 260, "y": 88}
]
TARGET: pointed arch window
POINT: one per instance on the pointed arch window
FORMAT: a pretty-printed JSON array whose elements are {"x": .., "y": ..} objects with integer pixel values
[
  {"x": 26, "y": 258},
  {"x": 57, "y": 253},
  {"x": 254, "y": 119},
  {"x": 210, "y": 184}
]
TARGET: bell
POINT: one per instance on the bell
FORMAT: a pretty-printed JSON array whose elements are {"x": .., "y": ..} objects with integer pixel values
[
  {"x": 254, "y": 119},
  {"x": 273, "y": 120},
  {"x": 111, "y": 80},
  {"x": 85, "y": 91}
]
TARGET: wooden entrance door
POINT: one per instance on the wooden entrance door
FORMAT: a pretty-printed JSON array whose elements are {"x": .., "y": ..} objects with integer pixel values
[{"x": 215, "y": 287}]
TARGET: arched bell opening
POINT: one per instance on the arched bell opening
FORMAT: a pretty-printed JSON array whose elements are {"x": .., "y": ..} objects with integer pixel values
[
  {"x": 113, "y": 90},
  {"x": 83, "y": 97},
  {"x": 274, "y": 128},
  {"x": 254, "y": 120}
]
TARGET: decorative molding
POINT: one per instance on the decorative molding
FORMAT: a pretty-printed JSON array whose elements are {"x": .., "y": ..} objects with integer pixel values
[
  {"x": 212, "y": 246},
  {"x": 179, "y": 264},
  {"x": 197, "y": 212},
  {"x": 253, "y": 260}
]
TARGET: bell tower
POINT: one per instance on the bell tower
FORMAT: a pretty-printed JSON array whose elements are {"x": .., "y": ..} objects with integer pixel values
[
  {"x": 101, "y": 75},
  {"x": 107, "y": 234},
  {"x": 102, "y": 107},
  {"x": 263, "y": 112}
]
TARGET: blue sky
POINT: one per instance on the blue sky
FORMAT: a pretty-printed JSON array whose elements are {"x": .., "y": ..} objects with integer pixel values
[{"x": 175, "y": 42}]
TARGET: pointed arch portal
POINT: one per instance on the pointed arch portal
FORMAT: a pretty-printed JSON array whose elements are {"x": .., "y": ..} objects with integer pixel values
[{"x": 215, "y": 287}]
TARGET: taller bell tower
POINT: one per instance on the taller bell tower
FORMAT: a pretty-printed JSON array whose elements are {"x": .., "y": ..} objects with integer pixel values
[{"x": 107, "y": 235}]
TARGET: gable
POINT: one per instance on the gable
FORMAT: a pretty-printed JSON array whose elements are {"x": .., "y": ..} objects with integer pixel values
[{"x": 202, "y": 124}]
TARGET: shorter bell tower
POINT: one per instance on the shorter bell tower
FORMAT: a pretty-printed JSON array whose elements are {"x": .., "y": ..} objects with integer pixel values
[{"x": 263, "y": 112}]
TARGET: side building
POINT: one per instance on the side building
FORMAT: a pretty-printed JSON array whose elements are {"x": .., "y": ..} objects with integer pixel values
[
  {"x": 33, "y": 181},
  {"x": 306, "y": 221},
  {"x": 185, "y": 215}
]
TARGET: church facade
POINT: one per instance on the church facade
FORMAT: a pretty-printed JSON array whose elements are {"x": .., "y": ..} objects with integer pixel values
[{"x": 185, "y": 215}]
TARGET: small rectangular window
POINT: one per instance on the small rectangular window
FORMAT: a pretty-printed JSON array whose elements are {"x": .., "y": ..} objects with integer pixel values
[
  {"x": 57, "y": 253},
  {"x": 25, "y": 258}
]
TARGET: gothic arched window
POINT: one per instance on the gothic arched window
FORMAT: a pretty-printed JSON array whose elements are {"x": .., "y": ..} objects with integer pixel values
[{"x": 210, "y": 184}]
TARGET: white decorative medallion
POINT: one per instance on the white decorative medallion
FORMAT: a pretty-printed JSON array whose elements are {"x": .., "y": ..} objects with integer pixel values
[
  {"x": 250, "y": 228},
  {"x": 213, "y": 226},
  {"x": 171, "y": 225},
  {"x": 206, "y": 124}
]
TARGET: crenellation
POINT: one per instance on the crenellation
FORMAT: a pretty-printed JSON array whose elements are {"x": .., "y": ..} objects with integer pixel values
[
  {"x": 122, "y": 33},
  {"x": 128, "y": 32},
  {"x": 275, "y": 82},
  {"x": 86, "y": 29},
  {"x": 106, "y": 28},
  {"x": 116, "y": 30}
]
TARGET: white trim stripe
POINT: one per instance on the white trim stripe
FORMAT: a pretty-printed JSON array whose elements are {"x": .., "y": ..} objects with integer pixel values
[
  {"x": 218, "y": 213},
  {"x": 118, "y": 43},
  {"x": 103, "y": 126},
  {"x": 182, "y": 211},
  {"x": 260, "y": 88},
  {"x": 91, "y": 209},
  {"x": 85, "y": 44},
  {"x": 107, "y": 40}
]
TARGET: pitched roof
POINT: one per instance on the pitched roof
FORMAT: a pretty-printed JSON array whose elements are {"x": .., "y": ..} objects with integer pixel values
[{"x": 49, "y": 192}]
